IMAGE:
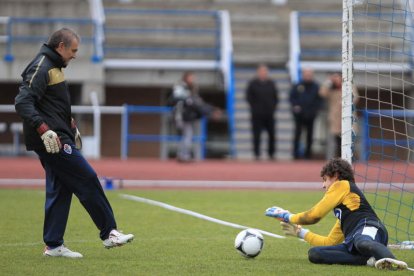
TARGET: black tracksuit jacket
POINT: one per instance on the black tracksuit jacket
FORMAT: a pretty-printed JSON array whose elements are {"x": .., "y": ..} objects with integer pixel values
[
  {"x": 262, "y": 97},
  {"x": 44, "y": 98}
]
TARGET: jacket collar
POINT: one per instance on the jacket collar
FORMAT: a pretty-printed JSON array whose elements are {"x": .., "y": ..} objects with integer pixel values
[{"x": 54, "y": 56}]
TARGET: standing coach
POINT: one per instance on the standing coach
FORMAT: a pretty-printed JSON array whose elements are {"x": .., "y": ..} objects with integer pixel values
[{"x": 43, "y": 102}]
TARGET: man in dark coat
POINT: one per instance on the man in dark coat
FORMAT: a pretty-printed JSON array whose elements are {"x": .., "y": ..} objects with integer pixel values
[
  {"x": 262, "y": 96},
  {"x": 306, "y": 103}
]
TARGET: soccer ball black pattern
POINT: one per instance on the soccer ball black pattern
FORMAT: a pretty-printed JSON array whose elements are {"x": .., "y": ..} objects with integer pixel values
[{"x": 249, "y": 243}]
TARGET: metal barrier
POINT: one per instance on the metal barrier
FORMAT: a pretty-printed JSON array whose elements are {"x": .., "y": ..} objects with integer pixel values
[
  {"x": 227, "y": 67},
  {"x": 16, "y": 128},
  {"x": 125, "y": 135},
  {"x": 95, "y": 110},
  {"x": 12, "y": 38},
  {"x": 128, "y": 137}
]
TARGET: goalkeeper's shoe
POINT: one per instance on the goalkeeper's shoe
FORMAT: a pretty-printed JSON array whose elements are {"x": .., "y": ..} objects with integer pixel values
[
  {"x": 390, "y": 264},
  {"x": 61, "y": 251},
  {"x": 116, "y": 238}
]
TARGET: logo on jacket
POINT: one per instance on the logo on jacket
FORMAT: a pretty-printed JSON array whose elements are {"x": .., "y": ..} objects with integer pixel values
[
  {"x": 338, "y": 213},
  {"x": 67, "y": 148}
]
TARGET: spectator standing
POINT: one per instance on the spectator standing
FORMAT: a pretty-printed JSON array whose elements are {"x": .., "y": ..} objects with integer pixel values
[
  {"x": 306, "y": 102},
  {"x": 262, "y": 96},
  {"x": 331, "y": 90},
  {"x": 189, "y": 108}
]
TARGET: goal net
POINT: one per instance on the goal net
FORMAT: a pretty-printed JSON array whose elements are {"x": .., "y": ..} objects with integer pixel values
[{"x": 378, "y": 133}]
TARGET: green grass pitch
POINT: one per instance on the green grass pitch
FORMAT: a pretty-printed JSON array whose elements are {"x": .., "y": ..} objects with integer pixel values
[{"x": 166, "y": 242}]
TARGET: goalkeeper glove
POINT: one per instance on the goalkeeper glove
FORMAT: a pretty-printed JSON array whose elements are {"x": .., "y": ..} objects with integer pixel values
[
  {"x": 278, "y": 213},
  {"x": 78, "y": 137},
  {"x": 49, "y": 138},
  {"x": 295, "y": 230}
]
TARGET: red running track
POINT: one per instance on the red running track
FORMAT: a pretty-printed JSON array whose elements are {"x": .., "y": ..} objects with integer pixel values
[
  {"x": 209, "y": 170},
  {"x": 151, "y": 169}
]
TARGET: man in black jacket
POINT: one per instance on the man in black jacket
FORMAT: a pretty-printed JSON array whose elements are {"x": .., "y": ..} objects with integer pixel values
[
  {"x": 262, "y": 96},
  {"x": 43, "y": 102},
  {"x": 306, "y": 103}
]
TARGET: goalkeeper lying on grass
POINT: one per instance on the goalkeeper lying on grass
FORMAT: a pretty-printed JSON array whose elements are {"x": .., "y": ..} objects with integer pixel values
[{"x": 358, "y": 236}]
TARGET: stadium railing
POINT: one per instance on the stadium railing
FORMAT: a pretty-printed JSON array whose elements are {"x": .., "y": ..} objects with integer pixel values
[
  {"x": 11, "y": 38},
  {"x": 165, "y": 111},
  {"x": 369, "y": 140},
  {"x": 92, "y": 143},
  {"x": 15, "y": 128}
]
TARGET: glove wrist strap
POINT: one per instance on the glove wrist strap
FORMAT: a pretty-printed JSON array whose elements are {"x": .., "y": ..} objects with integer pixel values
[
  {"x": 302, "y": 233},
  {"x": 42, "y": 129}
]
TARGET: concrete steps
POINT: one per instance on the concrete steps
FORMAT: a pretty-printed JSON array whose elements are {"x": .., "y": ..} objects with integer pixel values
[
  {"x": 259, "y": 28},
  {"x": 158, "y": 35},
  {"x": 45, "y": 8},
  {"x": 315, "y": 5}
]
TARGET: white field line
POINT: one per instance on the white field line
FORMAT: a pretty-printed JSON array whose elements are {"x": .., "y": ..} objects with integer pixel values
[
  {"x": 219, "y": 184},
  {"x": 194, "y": 214},
  {"x": 21, "y": 182}
]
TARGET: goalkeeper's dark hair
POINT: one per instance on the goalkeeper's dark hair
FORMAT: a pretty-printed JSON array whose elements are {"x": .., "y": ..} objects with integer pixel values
[
  {"x": 338, "y": 167},
  {"x": 64, "y": 35}
]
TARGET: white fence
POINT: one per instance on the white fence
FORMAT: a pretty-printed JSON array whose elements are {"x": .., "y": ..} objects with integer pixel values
[{"x": 91, "y": 144}]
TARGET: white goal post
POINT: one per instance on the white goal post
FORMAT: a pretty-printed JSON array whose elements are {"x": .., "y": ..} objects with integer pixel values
[{"x": 347, "y": 81}]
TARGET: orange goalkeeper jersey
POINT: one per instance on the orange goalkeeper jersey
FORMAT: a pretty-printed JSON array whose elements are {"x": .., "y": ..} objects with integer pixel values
[{"x": 349, "y": 205}]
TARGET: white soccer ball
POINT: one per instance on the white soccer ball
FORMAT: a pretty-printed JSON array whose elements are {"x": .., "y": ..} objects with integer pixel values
[{"x": 249, "y": 243}]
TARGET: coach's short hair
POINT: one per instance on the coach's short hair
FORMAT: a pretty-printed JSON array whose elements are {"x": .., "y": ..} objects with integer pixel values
[
  {"x": 64, "y": 35},
  {"x": 339, "y": 167}
]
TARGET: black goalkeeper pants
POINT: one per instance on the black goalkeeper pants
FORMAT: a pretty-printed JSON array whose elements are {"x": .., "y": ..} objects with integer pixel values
[{"x": 364, "y": 246}]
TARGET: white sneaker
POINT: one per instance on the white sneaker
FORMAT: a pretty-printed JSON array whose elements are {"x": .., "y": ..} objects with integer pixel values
[
  {"x": 371, "y": 262},
  {"x": 61, "y": 251},
  {"x": 116, "y": 238},
  {"x": 390, "y": 264}
]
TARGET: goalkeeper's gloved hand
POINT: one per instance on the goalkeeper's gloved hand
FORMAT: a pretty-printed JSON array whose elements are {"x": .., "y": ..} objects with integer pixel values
[
  {"x": 78, "y": 137},
  {"x": 295, "y": 230},
  {"x": 49, "y": 138},
  {"x": 278, "y": 213}
]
